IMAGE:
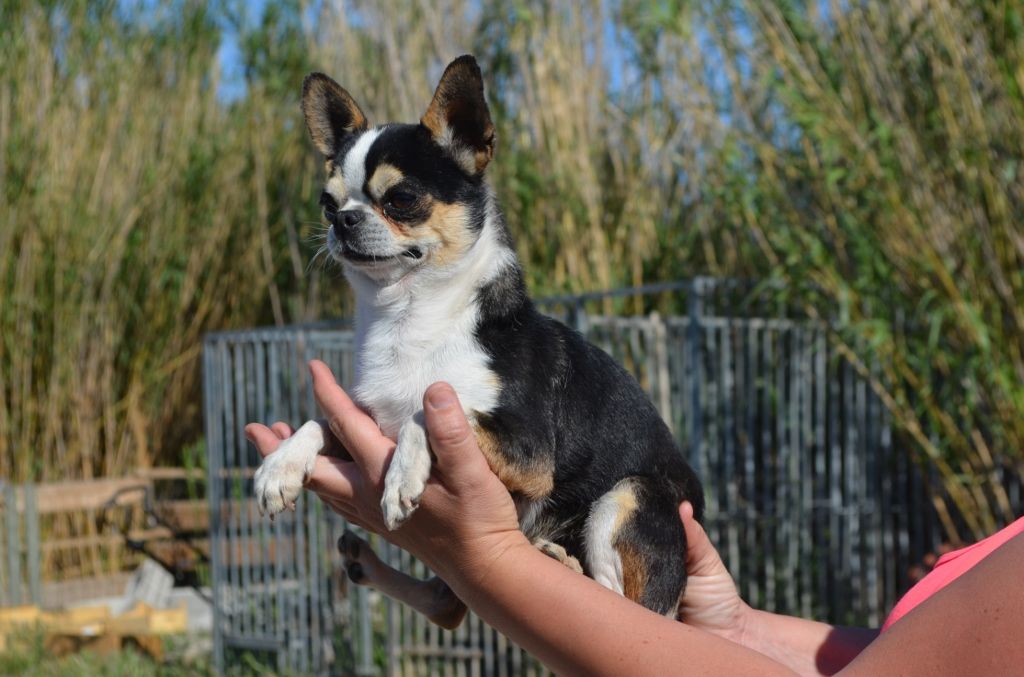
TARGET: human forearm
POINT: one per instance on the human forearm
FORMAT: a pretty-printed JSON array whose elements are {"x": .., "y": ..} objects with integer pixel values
[
  {"x": 807, "y": 647},
  {"x": 576, "y": 626}
]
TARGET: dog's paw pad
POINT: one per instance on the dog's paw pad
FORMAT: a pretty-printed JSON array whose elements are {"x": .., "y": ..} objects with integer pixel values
[
  {"x": 359, "y": 560},
  {"x": 350, "y": 546},
  {"x": 354, "y": 571}
]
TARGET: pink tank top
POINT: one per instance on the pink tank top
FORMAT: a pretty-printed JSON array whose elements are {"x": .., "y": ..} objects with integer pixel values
[{"x": 950, "y": 567}]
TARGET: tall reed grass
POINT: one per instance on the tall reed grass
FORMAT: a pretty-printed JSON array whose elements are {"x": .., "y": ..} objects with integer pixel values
[
  {"x": 867, "y": 153},
  {"x": 883, "y": 182},
  {"x": 139, "y": 212}
]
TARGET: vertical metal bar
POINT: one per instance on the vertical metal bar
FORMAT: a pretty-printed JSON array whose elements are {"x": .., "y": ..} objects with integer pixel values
[
  {"x": 578, "y": 317},
  {"x": 32, "y": 542},
  {"x": 488, "y": 642},
  {"x": 891, "y": 535},
  {"x": 728, "y": 437},
  {"x": 312, "y": 519},
  {"x": 804, "y": 431},
  {"x": 772, "y": 455},
  {"x": 315, "y": 521},
  {"x": 829, "y": 451},
  {"x": 393, "y": 619},
  {"x": 662, "y": 375},
  {"x": 853, "y": 590},
  {"x": 406, "y": 615},
  {"x": 244, "y": 491},
  {"x": 869, "y": 541},
  {"x": 786, "y": 484},
  {"x": 13, "y": 543},
  {"x": 231, "y": 493},
  {"x": 754, "y": 501},
  {"x": 214, "y": 449},
  {"x": 693, "y": 338},
  {"x": 298, "y": 641},
  {"x": 243, "y": 536},
  {"x": 475, "y": 635},
  {"x": 5, "y": 547},
  {"x": 265, "y": 543},
  {"x": 810, "y": 417},
  {"x": 365, "y": 657},
  {"x": 278, "y": 526}
]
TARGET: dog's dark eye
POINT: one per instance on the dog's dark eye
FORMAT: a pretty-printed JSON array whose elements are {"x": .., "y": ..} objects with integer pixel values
[
  {"x": 400, "y": 201},
  {"x": 328, "y": 202}
]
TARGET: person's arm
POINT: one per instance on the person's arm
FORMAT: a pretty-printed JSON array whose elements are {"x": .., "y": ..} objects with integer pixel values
[
  {"x": 712, "y": 603},
  {"x": 576, "y": 626},
  {"x": 973, "y": 626}
]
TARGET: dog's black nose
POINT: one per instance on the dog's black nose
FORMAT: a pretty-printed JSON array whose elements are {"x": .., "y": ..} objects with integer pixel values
[{"x": 350, "y": 218}]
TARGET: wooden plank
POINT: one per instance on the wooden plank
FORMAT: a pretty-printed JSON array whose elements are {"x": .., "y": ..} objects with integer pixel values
[
  {"x": 79, "y": 495},
  {"x": 71, "y": 590},
  {"x": 166, "y": 473},
  {"x": 185, "y": 515},
  {"x": 52, "y": 545}
]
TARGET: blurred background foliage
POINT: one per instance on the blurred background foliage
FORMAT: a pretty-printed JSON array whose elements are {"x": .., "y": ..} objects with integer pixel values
[{"x": 867, "y": 154}]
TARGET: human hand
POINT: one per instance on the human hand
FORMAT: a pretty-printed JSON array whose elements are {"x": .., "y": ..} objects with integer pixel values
[
  {"x": 466, "y": 518},
  {"x": 710, "y": 601}
]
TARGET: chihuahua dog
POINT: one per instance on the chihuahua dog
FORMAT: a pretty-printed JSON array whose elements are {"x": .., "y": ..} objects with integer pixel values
[{"x": 595, "y": 473}]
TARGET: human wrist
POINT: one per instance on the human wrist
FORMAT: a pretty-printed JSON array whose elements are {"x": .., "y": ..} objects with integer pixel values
[
  {"x": 743, "y": 626},
  {"x": 474, "y": 564},
  {"x": 750, "y": 628}
]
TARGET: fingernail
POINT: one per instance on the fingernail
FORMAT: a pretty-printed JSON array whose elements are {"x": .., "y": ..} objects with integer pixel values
[{"x": 440, "y": 399}]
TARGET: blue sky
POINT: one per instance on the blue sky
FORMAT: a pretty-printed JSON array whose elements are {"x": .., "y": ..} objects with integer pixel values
[
  {"x": 229, "y": 54},
  {"x": 232, "y": 85}
]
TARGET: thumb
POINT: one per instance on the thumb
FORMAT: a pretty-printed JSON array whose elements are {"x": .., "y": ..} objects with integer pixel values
[
  {"x": 701, "y": 556},
  {"x": 451, "y": 437}
]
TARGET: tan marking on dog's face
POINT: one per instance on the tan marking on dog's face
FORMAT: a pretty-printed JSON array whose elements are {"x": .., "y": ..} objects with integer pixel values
[
  {"x": 449, "y": 226},
  {"x": 401, "y": 232},
  {"x": 534, "y": 482},
  {"x": 336, "y": 187},
  {"x": 384, "y": 177}
]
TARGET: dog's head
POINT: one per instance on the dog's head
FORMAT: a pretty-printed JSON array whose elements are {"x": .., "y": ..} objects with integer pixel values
[{"x": 401, "y": 197}]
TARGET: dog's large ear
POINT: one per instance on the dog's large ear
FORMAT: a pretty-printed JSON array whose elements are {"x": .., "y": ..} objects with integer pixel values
[
  {"x": 331, "y": 113},
  {"x": 458, "y": 118}
]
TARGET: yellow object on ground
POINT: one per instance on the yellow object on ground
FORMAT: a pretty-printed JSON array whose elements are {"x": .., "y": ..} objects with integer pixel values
[{"x": 94, "y": 628}]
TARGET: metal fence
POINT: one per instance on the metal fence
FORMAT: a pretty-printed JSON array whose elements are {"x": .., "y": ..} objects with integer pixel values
[{"x": 814, "y": 511}]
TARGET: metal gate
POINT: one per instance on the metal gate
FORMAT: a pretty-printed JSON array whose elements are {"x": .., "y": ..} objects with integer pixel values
[{"x": 811, "y": 509}]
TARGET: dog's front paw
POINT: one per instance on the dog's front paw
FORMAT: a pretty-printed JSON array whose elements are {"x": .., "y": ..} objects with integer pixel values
[
  {"x": 279, "y": 480},
  {"x": 407, "y": 476},
  {"x": 401, "y": 498}
]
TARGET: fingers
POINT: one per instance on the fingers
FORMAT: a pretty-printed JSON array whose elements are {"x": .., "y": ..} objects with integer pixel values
[
  {"x": 356, "y": 431},
  {"x": 334, "y": 478},
  {"x": 340, "y": 485},
  {"x": 265, "y": 439},
  {"x": 282, "y": 430},
  {"x": 451, "y": 437}
]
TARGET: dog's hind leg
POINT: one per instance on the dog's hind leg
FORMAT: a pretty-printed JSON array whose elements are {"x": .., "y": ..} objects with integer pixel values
[
  {"x": 432, "y": 597},
  {"x": 635, "y": 543},
  {"x": 557, "y": 552}
]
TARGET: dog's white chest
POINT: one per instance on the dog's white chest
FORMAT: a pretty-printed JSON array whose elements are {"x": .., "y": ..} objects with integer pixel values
[{"x": 398, "y": 358}]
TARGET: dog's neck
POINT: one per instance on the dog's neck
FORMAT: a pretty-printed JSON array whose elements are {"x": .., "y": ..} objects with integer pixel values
[{"x": 429, "y": 304}]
